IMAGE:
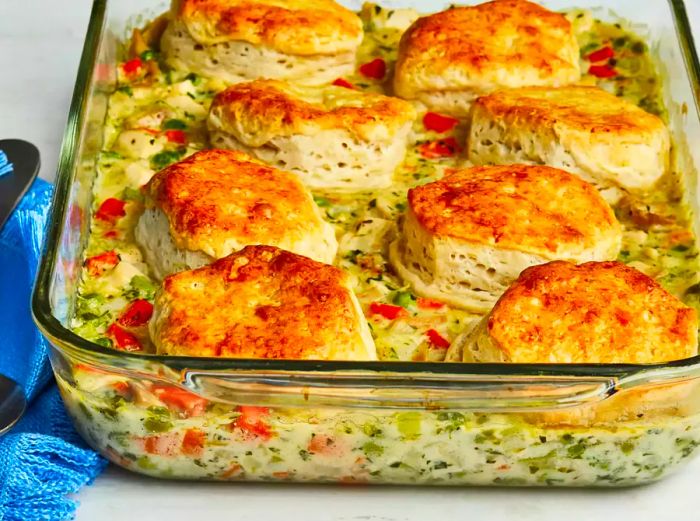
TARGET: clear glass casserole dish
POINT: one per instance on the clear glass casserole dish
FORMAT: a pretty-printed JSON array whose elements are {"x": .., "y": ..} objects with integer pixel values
[{"x": 365, "y": 422}]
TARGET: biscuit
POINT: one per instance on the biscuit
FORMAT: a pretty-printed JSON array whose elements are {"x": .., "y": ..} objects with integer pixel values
[
  {"x": 606, "y": 140},
  {"x": 332, "y": 137},
  {"x": 596, "y": 312},
  {"x": 308, "y": 41},
  {"x": 216, "y": 202},
  {"x": 466, "y": 237},
  {"x": 261, "y": 302},
  {"x": 448, "y": 59}
]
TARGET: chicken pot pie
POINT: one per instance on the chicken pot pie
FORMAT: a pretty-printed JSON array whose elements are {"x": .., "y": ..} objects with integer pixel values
[
  {"x": 307, "y": 41},
  {"x": 332, "y": 137},
  {"x": 597, "y": 312},
  {"x": 606, "y": 140},
  {"x": 216, "y": 202},
  {"x": 261, "y": 302},
  {"x": 448, "y": 59},
  {"x": 466, "y": 237}
]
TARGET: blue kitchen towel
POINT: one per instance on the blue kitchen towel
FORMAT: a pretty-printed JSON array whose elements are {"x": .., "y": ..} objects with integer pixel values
[{"x": 42, "y": 459}]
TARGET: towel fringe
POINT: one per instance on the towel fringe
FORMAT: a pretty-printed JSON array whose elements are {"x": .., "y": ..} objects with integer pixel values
[{"x": 39, "y": 475}]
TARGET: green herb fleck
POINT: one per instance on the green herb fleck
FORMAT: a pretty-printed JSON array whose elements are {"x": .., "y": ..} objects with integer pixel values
[
  {"x": 322, "y": 201},
  {"x": 132, "y": 194},
  {"x": 627, "y": 447},
  {"x": 147, "y": 55},
  {"x": 145, "y": 463},
  {"x": 157, "y": 420},
  {"x": 194, "y": 79},
  {"x": 174, "y": 124},
  {"x": 371, "y": 449},
  {"x": 162, "y": 159},
  {"x": 140, "y": 287},
  {"x": 403, "y": 299}
]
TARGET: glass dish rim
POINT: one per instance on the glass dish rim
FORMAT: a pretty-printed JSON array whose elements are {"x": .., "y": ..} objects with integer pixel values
[{"x": 66, "y": 340}]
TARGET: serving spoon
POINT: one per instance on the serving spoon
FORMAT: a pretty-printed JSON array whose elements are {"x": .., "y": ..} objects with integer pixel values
[{"x": 20, "y": 170}]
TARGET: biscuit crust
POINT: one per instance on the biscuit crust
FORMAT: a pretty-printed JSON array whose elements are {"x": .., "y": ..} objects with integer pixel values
[
  {"x": 503, "y": 43},
  {"x": 606, "y": 140},
  {"x": 258, "y": 111},
  {"x": 536, "y": 209},
  {"x": 604, "y": 116},
  {"x": 261, "y": 302},
  {"x": 218, "y": 201},
  {"x": 596, "y": 312},
  {"x": 297, "y": 27}
]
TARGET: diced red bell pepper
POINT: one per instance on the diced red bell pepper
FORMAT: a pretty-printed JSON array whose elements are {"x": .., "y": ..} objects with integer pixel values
[
  {"x": 428, "y": 303},
  {"x": 110, "y": 210},
  {"x": 375, "y": 69},
  {"x": 122, "y": 339},
  {"x": 341, "y": 82},
  {"x": 176, "y": 136},
  {"x": 99, "y": 264},
  {"x": 193, "y": 442},
  {"x": 438, "y": 122},
  {"x": 132, "y": 67},
  {"x": 437, "y": 339},
  {"x": 388, "y": 311},
  {"x": 252, "y": 421},
  {"x": 602, "y": 54},
  {"x": 137, "y": 314},
  {"x": 602, "y": 71},
  {"x": 441, "y": 148},
  {"x": 179, "y": 399}
]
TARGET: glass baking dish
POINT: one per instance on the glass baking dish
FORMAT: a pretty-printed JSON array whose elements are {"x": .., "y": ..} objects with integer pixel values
[{"x": 364, "y": 422}]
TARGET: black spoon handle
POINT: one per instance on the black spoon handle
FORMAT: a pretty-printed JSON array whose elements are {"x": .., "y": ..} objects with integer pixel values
[{"x": 25, "y": 159}]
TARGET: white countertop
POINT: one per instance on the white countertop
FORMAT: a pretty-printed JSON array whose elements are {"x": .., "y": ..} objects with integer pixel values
[{"x": 40, "y": 44}]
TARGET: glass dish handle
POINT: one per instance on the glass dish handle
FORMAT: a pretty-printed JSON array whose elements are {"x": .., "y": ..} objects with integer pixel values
[{"x": 399, "y": 390}]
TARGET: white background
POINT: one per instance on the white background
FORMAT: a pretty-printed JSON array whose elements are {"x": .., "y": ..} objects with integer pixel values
[{"x": 40, "y": 44}]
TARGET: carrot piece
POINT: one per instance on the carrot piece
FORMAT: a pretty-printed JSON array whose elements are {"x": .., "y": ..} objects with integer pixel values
[
  {"x": 179, "y": 399},
  {"x": 193, "y": 442},
  {"x": 428, "y": 303}
]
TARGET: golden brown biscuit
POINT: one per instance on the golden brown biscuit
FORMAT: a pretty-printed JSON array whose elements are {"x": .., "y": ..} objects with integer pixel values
[
  {"x": 466, "y": 237},
  {"x": 606, "y": 140},
  {"x": 217, "y": 201},
  {"x": 597, "y": 312},
  {"x": 311, "y": 41},
  {"x": 331, "y": 137},
  {"x": 261, "y": 302},
  {"x": 449, "y": 58}
]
